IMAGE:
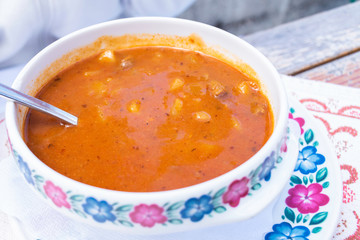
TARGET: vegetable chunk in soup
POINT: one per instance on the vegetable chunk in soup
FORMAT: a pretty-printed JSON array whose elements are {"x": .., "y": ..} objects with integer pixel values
[{"x": 150, "y": 119}]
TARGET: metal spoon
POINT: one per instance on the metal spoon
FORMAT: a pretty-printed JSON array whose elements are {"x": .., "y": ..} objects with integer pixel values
[{"x": 37, "y": 104}]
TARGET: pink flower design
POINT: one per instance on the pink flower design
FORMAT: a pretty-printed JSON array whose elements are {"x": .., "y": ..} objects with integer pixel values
[
  {"x": 307, "y": 199},
  {"x": 56, "y": 194},
  {"x": 300, "y": 121},
  {"x": 148, "y": 215},
  {"x": 237, "y": 189},
  {"x": 283, "y": 147}
]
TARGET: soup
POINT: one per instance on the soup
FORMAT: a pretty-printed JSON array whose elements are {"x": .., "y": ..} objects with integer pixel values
[{"x": 150, "y": 119}]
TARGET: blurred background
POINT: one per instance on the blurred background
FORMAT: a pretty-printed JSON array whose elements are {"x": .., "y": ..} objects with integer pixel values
[
  {"x": 27, "y": 26},
  {"x": 242, "y": 17}
]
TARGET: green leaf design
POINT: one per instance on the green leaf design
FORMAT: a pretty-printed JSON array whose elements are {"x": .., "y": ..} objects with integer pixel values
[
  {"x": 305, "y": 179},
  {"x": 295, "y": 179},
  {"x": 254, "y": 179},
  {"x": 306, "y": 218},
  {"x": 220, "y": 209},
  {"x": 124, "y": 208},
  {"x": 175, "y": 206},
  {"x": 41, "y": 191},
  {"x": 292, "y": 110},
  {"x": 256, "y": 186},
  {"x": 321, "y": 174},
  {"x": 217, "y": 202},
  {"x": 308, "y": 136},
  {"x": 175, "y": 221},
  {"x": 39, "y": 178},
  {"x": 316, "y": 230},
  {"x": 311, "y": 178},
  {"x": 126, "y": 223},
  {"x": 251, "y": 174},
  {"x": 279, "y": 160},
  {"x": 80, "y": 213},
  {"x": 299, "y": 217},
  {"x": 326, "y": 184},
  {"x": 77, "y": 198},
  {"x": 318, "y": 218},
  {"x": 316, "y": 143},
  {"x": 219, "y": 193},
  {"x": 301, "y": 141},
  {"x": 289, "y": 214}
]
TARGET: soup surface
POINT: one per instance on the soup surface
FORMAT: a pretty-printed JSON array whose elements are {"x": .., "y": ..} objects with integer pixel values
[{"x": 150, "y": 119}]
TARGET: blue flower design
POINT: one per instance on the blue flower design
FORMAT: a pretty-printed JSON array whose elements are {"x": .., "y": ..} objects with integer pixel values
[
  {"x": 24, "y": 168},
  {"x": 100, "y": 211},
  {"x": 267, "y": 166},
  {"x": 308, "y": 160},
  {"x": 284, "y": 231},
  {"x": 195, "y": 208}
]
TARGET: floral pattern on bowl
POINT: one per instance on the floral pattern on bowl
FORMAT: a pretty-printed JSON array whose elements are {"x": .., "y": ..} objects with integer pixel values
[
  {"x": 304, "y": 214},
  {"x": 193, "y": 209}
]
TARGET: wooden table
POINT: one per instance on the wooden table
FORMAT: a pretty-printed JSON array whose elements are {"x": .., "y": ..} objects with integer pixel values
[{"x": 324, "y": 47}]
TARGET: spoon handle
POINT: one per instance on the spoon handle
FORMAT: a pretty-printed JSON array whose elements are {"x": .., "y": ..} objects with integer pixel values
[{"x": 37, "y": 104}]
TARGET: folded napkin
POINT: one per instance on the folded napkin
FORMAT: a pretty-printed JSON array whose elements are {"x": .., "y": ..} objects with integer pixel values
[{"x": 336, "y": 107}]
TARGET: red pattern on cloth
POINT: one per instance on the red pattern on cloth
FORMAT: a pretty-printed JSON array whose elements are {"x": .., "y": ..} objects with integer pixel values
[{"x": 345, "y": 138}]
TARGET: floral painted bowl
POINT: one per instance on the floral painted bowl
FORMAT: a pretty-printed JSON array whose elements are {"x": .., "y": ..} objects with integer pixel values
[{"x": 234, "y": 196}]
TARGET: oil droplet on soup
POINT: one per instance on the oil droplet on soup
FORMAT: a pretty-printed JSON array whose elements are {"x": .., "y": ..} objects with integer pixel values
[{"x": 150, "y": 119}]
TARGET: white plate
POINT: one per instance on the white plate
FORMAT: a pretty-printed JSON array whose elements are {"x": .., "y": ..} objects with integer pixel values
[{"x": 317, "y": 217}]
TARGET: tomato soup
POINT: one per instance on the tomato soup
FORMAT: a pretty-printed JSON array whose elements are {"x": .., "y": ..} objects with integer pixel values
[{"x": 150, "y": 119}]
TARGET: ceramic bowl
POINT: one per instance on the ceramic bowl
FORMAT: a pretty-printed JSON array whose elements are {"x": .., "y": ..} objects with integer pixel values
[{"x": 234, "y": 196}]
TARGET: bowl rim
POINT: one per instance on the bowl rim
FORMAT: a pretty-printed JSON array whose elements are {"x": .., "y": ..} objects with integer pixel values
[{"x": 253, "y": 162}]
